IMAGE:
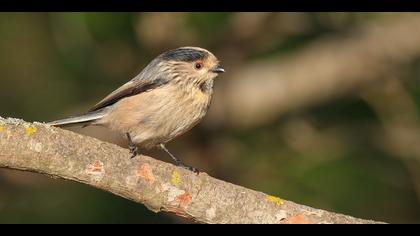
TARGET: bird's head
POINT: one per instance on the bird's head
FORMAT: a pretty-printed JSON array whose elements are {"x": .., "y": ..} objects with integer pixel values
[{"x": 190, "y": 64}]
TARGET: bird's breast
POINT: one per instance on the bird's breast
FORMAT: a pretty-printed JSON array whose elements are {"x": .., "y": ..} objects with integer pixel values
[
  {"x": 159, "y": 115},
  {"x": 189, "y": 109}
]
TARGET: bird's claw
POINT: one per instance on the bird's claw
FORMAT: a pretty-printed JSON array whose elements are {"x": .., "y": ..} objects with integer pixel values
[
  {"x": 134, "y": 151},
  {"x": 190, "y": 168}
]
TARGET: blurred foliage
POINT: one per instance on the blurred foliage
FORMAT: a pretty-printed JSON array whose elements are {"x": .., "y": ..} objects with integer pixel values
[{"x": 327, "y": 156}]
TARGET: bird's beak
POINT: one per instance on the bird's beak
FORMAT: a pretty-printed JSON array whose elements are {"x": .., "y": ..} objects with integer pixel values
[{"x": 218, "y": 69}]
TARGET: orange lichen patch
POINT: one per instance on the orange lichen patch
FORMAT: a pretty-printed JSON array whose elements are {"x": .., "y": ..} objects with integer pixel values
[
  {"x": 145, "y": 172},
  {"x": 95, "y": 168},
  {"x": 184, "y": 199},
  {"x": 30, "y": 130},
  {"x": 278, "y": 201},
  {"x": 2, "y": 128},
  {"x": 297, "y": 219}
]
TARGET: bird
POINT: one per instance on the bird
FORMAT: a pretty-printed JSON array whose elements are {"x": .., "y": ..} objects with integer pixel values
[{"x": 166, "y": 99}]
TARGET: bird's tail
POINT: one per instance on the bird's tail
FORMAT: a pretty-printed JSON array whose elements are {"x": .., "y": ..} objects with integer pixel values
[{"x": 85, "y": 119}]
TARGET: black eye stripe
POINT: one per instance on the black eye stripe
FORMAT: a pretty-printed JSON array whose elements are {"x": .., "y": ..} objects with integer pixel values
[{"x": 184, "y": 54}]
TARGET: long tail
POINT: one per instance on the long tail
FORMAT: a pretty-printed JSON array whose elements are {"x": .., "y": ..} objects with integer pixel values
[{"x": 85, "y": 119}]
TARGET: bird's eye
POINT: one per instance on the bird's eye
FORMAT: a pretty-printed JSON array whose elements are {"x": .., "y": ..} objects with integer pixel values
[{"x": 198, "y": 65}]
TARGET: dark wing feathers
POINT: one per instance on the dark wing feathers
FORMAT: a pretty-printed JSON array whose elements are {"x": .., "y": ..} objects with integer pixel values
[
  {"x": 146, "y": 80},
  {"x": 129, "y": 89}
]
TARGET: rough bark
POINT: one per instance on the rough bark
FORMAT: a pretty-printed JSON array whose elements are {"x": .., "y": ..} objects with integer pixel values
[{"x": 159, "y": 186}]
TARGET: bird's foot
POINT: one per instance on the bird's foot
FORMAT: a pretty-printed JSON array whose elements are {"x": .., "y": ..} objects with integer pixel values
[
  {"x": 190, "y": 168},
  {"x": 178, "y": 161},
  {"x": 134, "y": 150}
]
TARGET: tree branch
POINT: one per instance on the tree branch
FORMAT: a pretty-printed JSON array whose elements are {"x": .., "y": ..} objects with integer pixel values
[{"x": 159, "y": 186}]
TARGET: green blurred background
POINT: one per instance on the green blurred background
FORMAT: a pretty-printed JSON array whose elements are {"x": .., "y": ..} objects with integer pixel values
[{"x": 317, "y": 108}]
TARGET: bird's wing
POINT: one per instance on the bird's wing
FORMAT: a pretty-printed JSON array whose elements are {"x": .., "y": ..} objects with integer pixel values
[{"x": 133, "y": 87}]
